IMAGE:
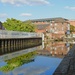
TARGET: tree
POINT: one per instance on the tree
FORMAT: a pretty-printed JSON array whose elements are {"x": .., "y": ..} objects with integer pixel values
[
  {"x": 17, "y": 25},
  {"x": 72, "y": 28},
  {"x": 27, "y": 26}
]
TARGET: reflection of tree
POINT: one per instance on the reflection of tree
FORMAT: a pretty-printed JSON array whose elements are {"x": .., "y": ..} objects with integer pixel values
[{"x": 18, "y": 61}]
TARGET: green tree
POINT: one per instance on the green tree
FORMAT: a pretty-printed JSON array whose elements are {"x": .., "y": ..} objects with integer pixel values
[
  {"x": 17, "y": 25},
  {"x": 72, "y": 28},
  {"x": 27, "y": 26},
  {"x": 18, "y": 61}
]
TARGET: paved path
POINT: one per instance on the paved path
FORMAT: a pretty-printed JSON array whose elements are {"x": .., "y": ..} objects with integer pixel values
[{"x": 67, "y": 66}]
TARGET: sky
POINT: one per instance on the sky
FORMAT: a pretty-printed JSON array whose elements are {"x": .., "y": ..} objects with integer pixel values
[{"x": 36, "y": 9}]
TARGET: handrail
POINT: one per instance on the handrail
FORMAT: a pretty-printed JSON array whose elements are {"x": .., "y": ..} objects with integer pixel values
[{"x": 18, "y": 34}]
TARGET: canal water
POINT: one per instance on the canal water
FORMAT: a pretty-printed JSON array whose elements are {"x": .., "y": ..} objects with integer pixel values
[{"x": 40, "y": 60}]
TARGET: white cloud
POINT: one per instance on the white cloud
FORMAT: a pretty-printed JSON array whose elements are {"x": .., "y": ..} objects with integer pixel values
[
  {"x": 4, "y": 15},
  {"x": 25, "y": 14},
  {"x": 25, "y": 2},
  {"x": 34, "y": 70},
  {"x": 71, "y": 8}
]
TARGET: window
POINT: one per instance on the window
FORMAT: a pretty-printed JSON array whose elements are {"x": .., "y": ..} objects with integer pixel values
[
  {"x": 51, "y": 24},
  {"x": 55, "y": 24},
  {"x": 62, "y": 28},
  {"x": 55, "y": 28}
]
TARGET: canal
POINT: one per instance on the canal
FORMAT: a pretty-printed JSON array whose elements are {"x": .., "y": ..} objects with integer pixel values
[{"x": 39, "y": 60}]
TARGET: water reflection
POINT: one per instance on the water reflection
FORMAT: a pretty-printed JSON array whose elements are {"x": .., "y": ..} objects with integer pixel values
[
  {"x": 16, "y": 54},
  {"x": 57, "y": 49},
  {"x": 42, "y": 60},
  {"x": 17, "y": 61},
  {"x": 42, "y": 65}
]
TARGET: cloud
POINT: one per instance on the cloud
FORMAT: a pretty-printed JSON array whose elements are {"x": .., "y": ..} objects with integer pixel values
[
  {"x": 4, "y": 15},
  {"x": 25, "y": 14},
  {"x": 25, "y": 2},
  {"x": 70, "y": 8},
  {"x": 31, "y": 70}
]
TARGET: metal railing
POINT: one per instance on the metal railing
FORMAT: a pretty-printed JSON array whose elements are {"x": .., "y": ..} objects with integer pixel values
[{"x": 18, "y": 34}]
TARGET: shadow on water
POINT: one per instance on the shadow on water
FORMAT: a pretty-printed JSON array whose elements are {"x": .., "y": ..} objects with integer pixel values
[{"x": 14, "y": 45}]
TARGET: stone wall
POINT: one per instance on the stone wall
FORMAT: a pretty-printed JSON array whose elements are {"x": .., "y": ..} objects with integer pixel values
[{"x": 67, "y": 66}]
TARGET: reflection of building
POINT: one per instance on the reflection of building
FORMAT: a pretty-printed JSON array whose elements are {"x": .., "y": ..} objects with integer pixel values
[
  {"x": 55, "y": 49},
  {"x": 52, "y": 26}
]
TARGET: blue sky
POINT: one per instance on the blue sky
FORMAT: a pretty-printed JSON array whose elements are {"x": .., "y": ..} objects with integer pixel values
[{"x": 36, "y": 9}]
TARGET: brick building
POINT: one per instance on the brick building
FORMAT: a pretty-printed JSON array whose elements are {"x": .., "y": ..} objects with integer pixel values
[
  {"x": 53, "y": 27},
  {"x": 72, "y": 22}
]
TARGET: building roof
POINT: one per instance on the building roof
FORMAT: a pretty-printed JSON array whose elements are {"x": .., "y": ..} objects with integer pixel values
[
  {"x": 51, "y": 19},
  {"x": 42, "y": 26}
]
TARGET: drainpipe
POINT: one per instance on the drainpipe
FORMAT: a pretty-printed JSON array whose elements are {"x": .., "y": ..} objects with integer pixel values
[
  {"x": 42, "y": 40},
  {"x": 68, "y": 29}
]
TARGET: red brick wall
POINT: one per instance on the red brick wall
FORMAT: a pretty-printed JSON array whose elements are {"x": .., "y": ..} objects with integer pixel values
[
  {"x": 56, "y": 30},
  {"x": 42, "y": 30},
  {"x": 57, "y": 27},
  {"x": 72, "y": 22}
]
